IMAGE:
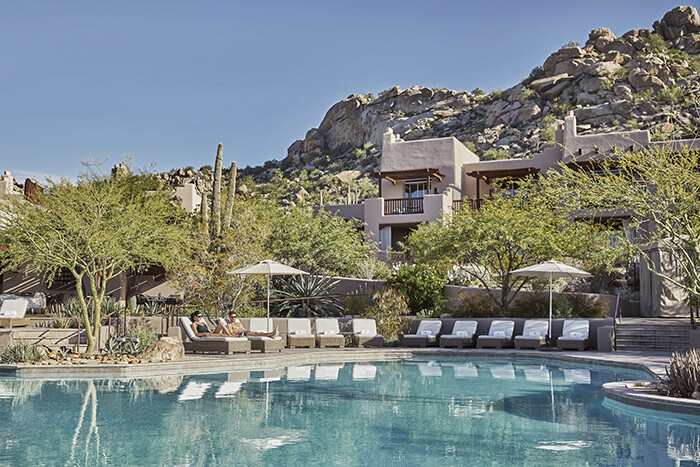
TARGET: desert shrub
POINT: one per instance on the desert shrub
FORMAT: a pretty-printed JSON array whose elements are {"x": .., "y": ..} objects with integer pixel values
[
  {"x": 373, "y": 269},
  {"x": 683, "y": 375},
  {"x": 469, "y": 145},
  {"x": 479, "y": 305},
  {"x": 536, "y": 305},
  {"x": 141, "y": 331},
  {"x": 526, "y": 94},
  {"x": 21, "y": 352},
  {"x": 495, "y": 155},
  {"x": 655, "y": 43},
  {"x": 587, "y": 306},
  {"x": 299, "y": 287},
  {"x": 422, "y": 284},
  {"x": 388, "y": 306},
  {"x": 356, "y": 303}
]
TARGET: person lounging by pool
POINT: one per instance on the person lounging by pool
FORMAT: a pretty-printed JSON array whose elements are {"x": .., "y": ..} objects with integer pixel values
[
  {"x": 236, "y": 329},
  {"x": 200, "y": 328}
]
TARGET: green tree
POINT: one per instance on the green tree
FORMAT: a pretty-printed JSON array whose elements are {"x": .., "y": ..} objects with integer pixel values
[
  {"x": 515, "y": 229},
  {"x": 202, "y": 273},
  {"x": 658, "y": 188},
  {"x": 96, "y": 228},
  {"x": 318, "y": 242}
]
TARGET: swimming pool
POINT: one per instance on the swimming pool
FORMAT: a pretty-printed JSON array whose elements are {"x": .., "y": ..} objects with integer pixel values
[{"x": 417, "y": 412}]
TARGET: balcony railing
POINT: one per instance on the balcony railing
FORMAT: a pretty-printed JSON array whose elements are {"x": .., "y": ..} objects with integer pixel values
[
  {"x": 403, "y": 206},
  {"x": 470, "y": 203}
]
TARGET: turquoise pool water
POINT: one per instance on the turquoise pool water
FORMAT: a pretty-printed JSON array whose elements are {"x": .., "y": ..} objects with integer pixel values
[{"x": 441, "y": 412}]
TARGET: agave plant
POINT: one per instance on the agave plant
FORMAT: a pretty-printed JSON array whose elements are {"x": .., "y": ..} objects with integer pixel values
[{"x": 307, "y": 296}]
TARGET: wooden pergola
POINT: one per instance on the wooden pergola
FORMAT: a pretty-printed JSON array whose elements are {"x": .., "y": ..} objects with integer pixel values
[
  {"x": 488, "y": 175},
  {"x": 396, "y": 175}
]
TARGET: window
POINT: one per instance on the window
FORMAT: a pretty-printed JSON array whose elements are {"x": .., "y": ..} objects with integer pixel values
[{"x": 415, "y": 188}]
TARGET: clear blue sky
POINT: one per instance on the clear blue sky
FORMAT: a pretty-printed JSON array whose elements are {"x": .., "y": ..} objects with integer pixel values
[{"x": 166, "y": 81}]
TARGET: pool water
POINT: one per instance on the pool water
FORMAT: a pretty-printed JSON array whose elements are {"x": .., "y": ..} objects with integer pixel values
[{"x": 440, "y": 412}]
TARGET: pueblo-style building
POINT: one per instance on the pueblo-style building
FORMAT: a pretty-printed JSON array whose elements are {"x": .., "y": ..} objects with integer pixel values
[{"x": 421, "y": 180}]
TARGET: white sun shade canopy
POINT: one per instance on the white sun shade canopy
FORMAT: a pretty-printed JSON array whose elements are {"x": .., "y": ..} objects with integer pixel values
[
  {"x": 268, "y": 267},
  {"x": 553, "y": 268}
]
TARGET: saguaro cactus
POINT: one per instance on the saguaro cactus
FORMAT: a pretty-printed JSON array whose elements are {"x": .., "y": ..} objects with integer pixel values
[
  {"x": 216, "y": 195},
  {"x": 233, "y": 173}
]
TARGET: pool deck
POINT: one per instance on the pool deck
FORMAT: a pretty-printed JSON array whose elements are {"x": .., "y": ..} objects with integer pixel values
[{"x": 208, "y": 363}]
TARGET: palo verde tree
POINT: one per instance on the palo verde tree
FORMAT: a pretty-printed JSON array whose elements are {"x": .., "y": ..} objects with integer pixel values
[
  {"x": 510, "y": 231},
  {"x": 96, "y": 228},
  {"x": 659, "y": 188}
]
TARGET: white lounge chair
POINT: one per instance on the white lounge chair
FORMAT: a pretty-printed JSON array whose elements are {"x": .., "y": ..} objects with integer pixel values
[
  {"x": 264, "y": 344},
  {"x": 222, "y": 344},
  {"x": 328, "y": 333},
  {"x": 462, "y": 335},
  {"x": 364, "y": 333},
  {"x": 299, "y": 333},
  {"x": 12, "y": 312},
  {"x": 534, "y": 334},
  {"x": 427, "y": 334},
  {"x": 574, "y": 335},
  {"x": 500, "y": 335}
]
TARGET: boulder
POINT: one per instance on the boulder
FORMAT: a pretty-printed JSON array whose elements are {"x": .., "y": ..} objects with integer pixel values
[
  {"x": 348, "y": 175},
  {"x": 295, "y": 150},
  {"x": 623, "y": 108},
  {"x": 544, "y": 84},
  {"x": 623, "y": 90},
  {"x": 680, "y": 21},
  {"x": 641, "y": 80},
  {"x": 556, "y": 90},
  {"x": 587, "y": 113},
  {"x": 561, "y": 55},
  {"x": 603, "y": 69},
  {"x": 526, "y": 113},
  {"x": 585, "y": 99},
  {"x": 621, "y": 46},
  {"x": 599, "y": 38},
  {"x": 572, "y": 67},
  {"x": 314, "y": 142},
  {"x": 167, "y": 349},
  {"x": 590, "y": 84},
  {"x": 342, "y": 123}
]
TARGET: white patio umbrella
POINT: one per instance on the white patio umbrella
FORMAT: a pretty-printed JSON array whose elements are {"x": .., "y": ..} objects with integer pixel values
[
  {"x": 551, "y": 269},
  {"x": 269, "y": 268}
]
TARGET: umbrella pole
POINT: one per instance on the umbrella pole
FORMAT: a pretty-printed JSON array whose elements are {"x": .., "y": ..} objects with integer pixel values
[
  {"x": 550, "y": 308},
  {"x": 267, "y": 324}
]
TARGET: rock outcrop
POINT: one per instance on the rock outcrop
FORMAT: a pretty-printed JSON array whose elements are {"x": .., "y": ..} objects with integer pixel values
[
  {"x": 167, "y": 349},
  {"x": 645, "y": 78}
]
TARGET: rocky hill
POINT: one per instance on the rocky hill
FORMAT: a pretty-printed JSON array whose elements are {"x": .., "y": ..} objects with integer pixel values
[{"x": 646, "y": 78}]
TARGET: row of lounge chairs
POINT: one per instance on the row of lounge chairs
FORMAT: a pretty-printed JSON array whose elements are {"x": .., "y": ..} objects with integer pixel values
[
  {"x": 299, "y": 334},
  {"x": 500, "y": 335}
]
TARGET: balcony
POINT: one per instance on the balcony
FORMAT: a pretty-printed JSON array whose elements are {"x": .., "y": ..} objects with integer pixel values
[
  {"x": 403, "y": 206},
  {"x": 470, "y": 203}
]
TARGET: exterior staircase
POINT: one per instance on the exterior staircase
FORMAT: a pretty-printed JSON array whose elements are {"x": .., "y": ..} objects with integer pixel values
[{"x": 653, "y": 334}]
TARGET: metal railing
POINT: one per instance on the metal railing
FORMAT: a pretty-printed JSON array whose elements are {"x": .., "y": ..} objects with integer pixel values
[
  {"x": 403, "y": 206},
  {"x": 474, "y": 204}
]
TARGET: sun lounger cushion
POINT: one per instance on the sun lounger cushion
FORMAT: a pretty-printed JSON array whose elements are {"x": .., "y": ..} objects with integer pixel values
[
  {"x": 13, "y": 308},
  {"x": 186, "y": 323},
  {"x": 364, "y": 333}
]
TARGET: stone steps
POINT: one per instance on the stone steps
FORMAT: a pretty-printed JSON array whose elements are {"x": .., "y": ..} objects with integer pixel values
[{"x": 653, "y": 336}]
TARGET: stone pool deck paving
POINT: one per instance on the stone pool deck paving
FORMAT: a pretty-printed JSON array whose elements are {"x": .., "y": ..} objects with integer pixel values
[{"x": 208, "y": 363}]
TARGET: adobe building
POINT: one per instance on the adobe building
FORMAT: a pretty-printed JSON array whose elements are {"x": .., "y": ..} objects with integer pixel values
[{"x": 421, "y": 180}]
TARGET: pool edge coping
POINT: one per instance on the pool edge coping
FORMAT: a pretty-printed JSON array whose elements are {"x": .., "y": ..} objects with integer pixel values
[{"x": 621, "y": 392}]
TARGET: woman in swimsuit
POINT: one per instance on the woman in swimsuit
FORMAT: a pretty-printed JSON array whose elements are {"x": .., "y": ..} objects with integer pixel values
[
  {"x": 236, "y": 329},
  {"x": 200, "y": 328}
]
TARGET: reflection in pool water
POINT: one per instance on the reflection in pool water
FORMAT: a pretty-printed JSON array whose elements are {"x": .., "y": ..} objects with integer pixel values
[{"x": 440, "y": 412}]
